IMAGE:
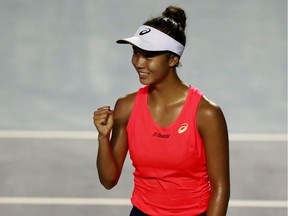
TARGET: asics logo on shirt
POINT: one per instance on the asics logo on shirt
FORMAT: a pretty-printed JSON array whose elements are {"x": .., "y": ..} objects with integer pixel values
[{"x": 183, "y": 128}]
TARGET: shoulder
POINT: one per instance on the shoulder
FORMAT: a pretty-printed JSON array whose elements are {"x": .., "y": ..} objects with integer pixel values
[
  {"x": 124, "y": 106},
  {"x": 208, "y": 108},
  {"x": 209, "y": 116}
]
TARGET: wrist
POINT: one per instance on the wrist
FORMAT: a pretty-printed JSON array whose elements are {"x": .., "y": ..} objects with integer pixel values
[{"x": 103, "y": 137}]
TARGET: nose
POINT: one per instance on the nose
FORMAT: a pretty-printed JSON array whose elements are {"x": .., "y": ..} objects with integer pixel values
[{"x": 138, "y": 60}]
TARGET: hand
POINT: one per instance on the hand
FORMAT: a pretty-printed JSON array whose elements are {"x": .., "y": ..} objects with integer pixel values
[{"x": 103, "y": 120}]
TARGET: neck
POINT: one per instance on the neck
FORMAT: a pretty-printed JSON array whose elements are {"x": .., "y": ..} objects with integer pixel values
[
  {"x": 168, "y": 92},
  {"x": 168, "y": 85}
]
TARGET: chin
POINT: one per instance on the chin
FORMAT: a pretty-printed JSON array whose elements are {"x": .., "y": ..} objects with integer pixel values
[{"x": 144, "y": 82}]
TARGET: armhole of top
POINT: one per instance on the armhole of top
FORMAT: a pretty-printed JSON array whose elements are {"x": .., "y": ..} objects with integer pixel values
[
  {"x": 197, "y": 97},
  {"x": 136, "y": 102}
]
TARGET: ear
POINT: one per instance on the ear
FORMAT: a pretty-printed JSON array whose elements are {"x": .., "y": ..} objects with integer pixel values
[{"x": 173, "y": 60}]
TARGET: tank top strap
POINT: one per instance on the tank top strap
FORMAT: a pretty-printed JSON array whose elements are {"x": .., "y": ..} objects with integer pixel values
[
  {"x": 195, "y": 98},
  {"x": 139, "y": 103}
]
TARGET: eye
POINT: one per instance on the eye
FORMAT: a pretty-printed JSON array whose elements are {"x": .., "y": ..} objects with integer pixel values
[
  {"x": 145, "y": 54},
  {"x": 148, "y": 55},
  {"x": 152, "y": 54}
]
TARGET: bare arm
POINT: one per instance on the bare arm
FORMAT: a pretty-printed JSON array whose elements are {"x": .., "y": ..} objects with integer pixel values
[
  {"x": 213, "y": 130},
  {"x": 112, "y": 153}
]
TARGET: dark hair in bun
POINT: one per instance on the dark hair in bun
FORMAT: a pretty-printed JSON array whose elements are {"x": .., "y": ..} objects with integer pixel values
[
  {"x": 172, "y": 22},
  {"x": 176, "y": 14}
]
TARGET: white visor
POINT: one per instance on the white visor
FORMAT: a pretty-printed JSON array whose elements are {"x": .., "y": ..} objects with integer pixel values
[{"x": 151, "y": 39}]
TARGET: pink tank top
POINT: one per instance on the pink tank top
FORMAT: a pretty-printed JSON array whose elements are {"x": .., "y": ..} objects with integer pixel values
[{"x": 170, "y": 176}]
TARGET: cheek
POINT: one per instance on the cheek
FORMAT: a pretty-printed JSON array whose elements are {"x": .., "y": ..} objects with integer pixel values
[
  {"x": 158, "y": 66},
  {"x": 152, "y": 65},
  {"x": 133, "y": 61}
]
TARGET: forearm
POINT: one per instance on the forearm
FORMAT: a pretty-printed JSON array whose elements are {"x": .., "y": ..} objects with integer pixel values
[
  {"x": 106, "y": 164},
  {"x": 219, "y": 200}
]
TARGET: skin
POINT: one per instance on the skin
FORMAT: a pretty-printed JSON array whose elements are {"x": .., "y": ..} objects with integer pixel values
[{"x": 166, "y": 97}]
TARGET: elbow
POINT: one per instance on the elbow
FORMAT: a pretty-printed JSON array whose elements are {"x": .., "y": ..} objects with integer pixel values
[
  {"x": 222, "y": 192},
  {"x": 108, "y": 184},
  {"x": 224, "y": 197},
  {"x": 226, "y": 194},
  {"x": 108, "y": 178},
  {"x": 108, "y": 175},
  {"x": 226, "y": 191}
]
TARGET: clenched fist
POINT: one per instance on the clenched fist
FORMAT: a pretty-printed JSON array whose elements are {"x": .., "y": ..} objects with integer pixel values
[{"x": 103, "y": 120}]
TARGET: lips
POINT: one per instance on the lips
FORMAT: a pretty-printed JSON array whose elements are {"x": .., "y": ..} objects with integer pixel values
[{"x": 143, "y": 74}]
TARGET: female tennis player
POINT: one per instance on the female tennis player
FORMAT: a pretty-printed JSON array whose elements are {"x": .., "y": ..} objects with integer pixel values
[{"x": 177, "y": 138}]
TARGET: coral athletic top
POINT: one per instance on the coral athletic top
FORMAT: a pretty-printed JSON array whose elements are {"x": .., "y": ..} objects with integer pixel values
[{"x": 170, "y": 176}]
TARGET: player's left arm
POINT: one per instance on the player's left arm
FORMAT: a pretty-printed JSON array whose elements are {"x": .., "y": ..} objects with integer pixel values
[{"x": 212, "y": 127}]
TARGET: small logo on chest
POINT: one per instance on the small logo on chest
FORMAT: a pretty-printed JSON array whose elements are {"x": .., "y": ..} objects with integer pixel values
[
  {"x": 183, "y": 128},
  {"x": 159, "y": 135}
]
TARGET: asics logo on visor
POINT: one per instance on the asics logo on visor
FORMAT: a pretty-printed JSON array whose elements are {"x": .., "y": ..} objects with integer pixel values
[{"x": 145, "y": 31}]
